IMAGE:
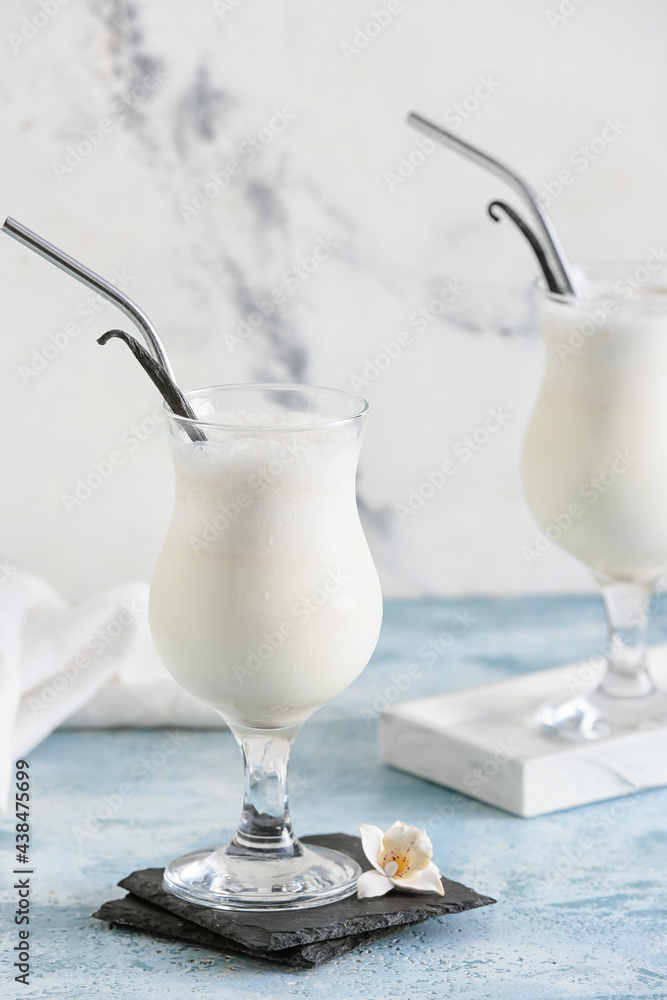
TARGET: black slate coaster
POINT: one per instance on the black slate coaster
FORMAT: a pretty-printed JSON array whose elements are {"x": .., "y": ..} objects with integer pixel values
[
  {"x": 136, "y": 914},
  {"x": 299, "y": 937}
]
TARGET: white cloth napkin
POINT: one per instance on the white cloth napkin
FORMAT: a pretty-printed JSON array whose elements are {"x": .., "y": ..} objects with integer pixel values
[{"x": 89, "y": 666}]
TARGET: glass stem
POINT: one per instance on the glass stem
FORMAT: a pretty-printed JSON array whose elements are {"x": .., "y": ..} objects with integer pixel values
[
  {"x": 265, "y": 824},
  {"x": 627, "y": 604}
]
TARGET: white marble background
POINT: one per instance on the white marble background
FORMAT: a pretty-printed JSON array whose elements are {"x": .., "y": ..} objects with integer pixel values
[{"x": 179, "y": 87}]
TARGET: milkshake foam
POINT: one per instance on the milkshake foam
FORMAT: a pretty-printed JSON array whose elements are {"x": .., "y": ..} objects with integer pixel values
[
  {"x": 265, "y": 602},
  {"x": 596, "y": 445}
]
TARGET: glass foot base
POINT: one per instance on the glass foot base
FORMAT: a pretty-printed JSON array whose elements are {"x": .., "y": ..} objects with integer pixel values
[
  {"x": 598, "y": 715},
  {"x": 232, "y": 882}
]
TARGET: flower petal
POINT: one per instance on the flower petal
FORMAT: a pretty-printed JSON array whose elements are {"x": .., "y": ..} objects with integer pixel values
[
  {"x": 373, "y": 884},
  {"x": 409, "y": 846},
  {"x": 424, "y": 881},
  {"x": 371, "y": 841}
]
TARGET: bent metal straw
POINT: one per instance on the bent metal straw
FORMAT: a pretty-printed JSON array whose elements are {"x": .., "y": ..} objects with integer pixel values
[
  {"x": 554, "y": 248},
  {"x": 98, "y": 284}
]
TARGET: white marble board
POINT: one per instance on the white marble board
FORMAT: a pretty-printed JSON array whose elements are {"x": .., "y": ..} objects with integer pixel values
[{"x": 483, "y": 742}]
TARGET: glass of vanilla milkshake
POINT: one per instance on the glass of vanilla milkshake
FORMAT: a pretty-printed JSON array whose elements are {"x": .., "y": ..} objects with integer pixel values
[
  {"x": 265, "y": 603},
  {"x": 595, "y": 475}
]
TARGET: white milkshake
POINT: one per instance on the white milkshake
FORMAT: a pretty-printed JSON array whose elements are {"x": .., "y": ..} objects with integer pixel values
[
  {"x": 595, "y": 455},
  {"x": 265, "y": 602}
]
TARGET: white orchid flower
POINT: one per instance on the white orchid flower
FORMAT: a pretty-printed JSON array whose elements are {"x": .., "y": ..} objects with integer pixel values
[{"x": 400, "y": 857}]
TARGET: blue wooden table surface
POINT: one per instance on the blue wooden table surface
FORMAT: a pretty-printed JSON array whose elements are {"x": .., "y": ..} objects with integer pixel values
[{"x": 582, "y": 901}]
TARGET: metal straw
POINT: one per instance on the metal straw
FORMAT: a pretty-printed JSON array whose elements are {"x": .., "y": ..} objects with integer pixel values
[
  {"x": 561, "y": 264},
  {"x": 98, "y": 284}
]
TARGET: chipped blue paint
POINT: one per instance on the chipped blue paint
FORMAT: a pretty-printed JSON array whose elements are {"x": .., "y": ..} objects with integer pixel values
[{"x": 582, "y": 900}]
